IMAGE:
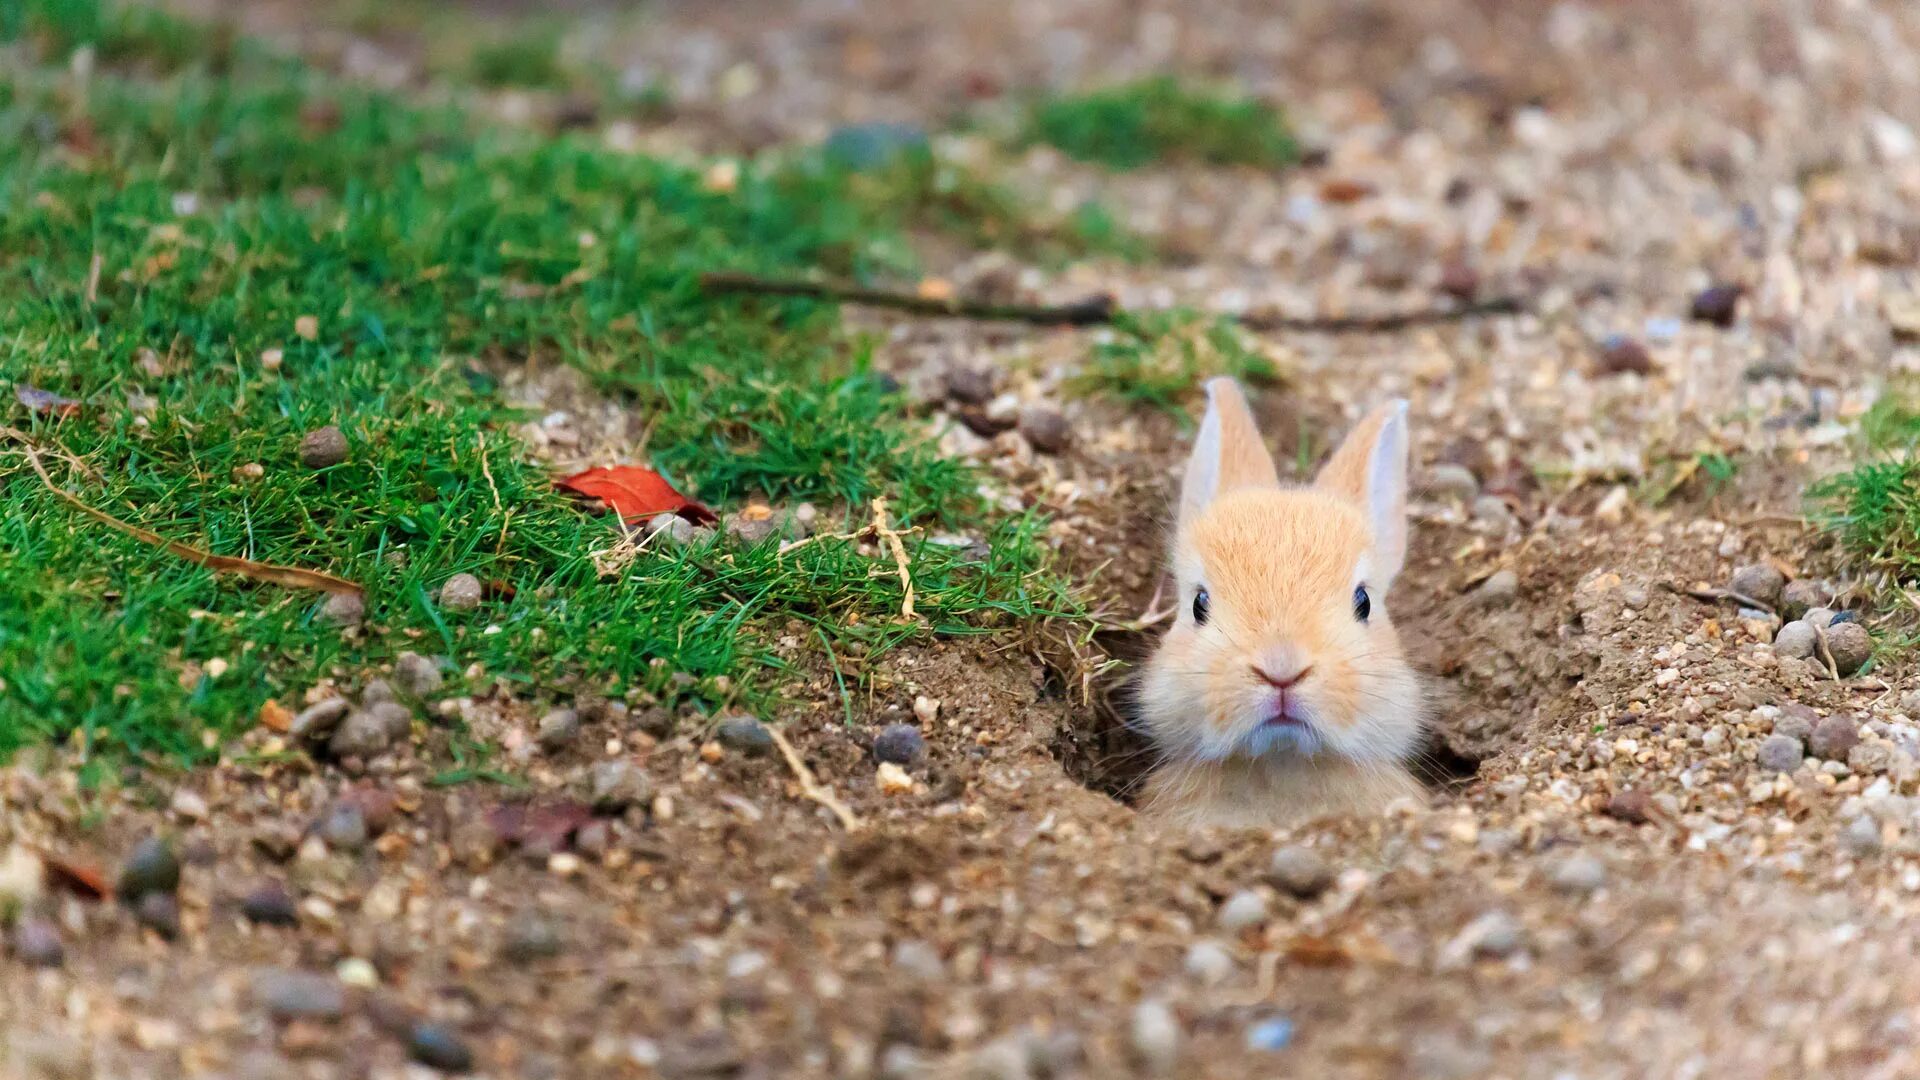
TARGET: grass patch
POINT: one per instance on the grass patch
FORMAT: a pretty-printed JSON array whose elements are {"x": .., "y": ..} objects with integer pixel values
[
  {"x": 1159, "y": 360},
  {"x": 1160, "y": 119},
  {"x": 528, "y": 56},
  {"x": 1873, "y": 508},
  {"x": 225, "y": 211}
]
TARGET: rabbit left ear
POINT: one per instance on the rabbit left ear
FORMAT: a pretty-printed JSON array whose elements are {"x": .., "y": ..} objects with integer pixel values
[
  {"x": 1227, "y": 454},
  {"x": 1370, "y": 468}
]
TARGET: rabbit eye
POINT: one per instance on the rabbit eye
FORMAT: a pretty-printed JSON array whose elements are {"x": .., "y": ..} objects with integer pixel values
[
  {"x": 1362, "y": 603},
  {"x": 1201, "y": 606}
]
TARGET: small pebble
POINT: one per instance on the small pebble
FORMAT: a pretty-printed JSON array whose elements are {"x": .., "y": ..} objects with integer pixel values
[
  {"x": 1802, "y": 594},
  {"x": 440, "y": 1048},
  {"x": 160, "y": 913},
  {"x": 1820, "y": 617},
  {"x": 1844, "y": 616},
  {"x": 1834, "y": 736},
  {"x": 1861, "y": 836},
  {"x": 1796, "y": 720},
  {"x": 343, "y": 610},
  {"x": 1455, "y": 483},
  {"x": 394, "y": 718},
  {"x": 461, "y": 592},
  {"x": 1634, "y": 806},
  {"x": 918, "y": 960},
  {"x": 891, "y": 779},
  {"x": 1579, "y": 873},
  {"x": 1796, "y": 641},
  {"x": 749, "y": 527},
  {"x": 417, "y": 675},
  {"x": 1717, "y": 304},
  {"x": 317, "y": 721},
  {"x": 670, "y": 529},
  {"x": 270, "y": 904},
  {"x": 358, "y": 973},
  {"x": 1780, "y": 753},
  {"x": 901, "y": 744},
  {"x": 926, "y": 709},
  {"x": 1243, "y": 910},
  {"x": 1759, "y": 581},
  {"x": 619, "y": 784},
  {"x": 344, "y": 828},
  {"x": 1620, "y": 355},
  {"x": 377, "y": 692},
  {"x": 151, "y": 868},
  {"x": 1272, "y": 1034},
  {"x": 558, "y": 730},
  {"x": 1156, "y": 1036},
  {"x": 1045, "y": 429},
  {"x": 744, "y": 734},
  {"x": 970, "y": 386},
  {"x": 363, "y": 735},
  {"x": 1498, "y": 589},
  {"x": 1300, "y": 871},
  {"x": 36, "y": 943},
  {"x": 299, "y": 995},
  {"x": 530, "y": 937},
  {"x": 1494, "y": 934},
  {"x": 1208, "y": 962},
  {"x": 323, "y": 448},
  {"x": 1492, "y": 510},
  {"x": 1850, "y": 645}
]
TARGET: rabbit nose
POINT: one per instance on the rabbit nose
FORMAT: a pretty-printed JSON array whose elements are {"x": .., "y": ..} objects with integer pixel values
[{"x": 1283, "y": 682}]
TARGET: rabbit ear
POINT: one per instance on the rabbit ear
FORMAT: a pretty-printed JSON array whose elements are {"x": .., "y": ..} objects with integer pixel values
[
  {"x": 1371, "y": 469},
  {"x": 1227, "y": 454}
]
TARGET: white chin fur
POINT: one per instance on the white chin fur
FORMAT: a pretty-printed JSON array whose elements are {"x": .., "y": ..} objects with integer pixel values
[{"x": 1386, "y": 731}]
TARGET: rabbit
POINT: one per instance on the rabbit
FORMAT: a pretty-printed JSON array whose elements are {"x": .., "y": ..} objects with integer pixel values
[{"x": 1280, "y": 693}]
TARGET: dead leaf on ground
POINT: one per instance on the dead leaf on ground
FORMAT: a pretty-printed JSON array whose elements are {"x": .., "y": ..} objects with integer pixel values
[
  {"x": 276, "y": 717},
  {"x": 636, "y": 493},
  {"x": 82, "y": 879}
]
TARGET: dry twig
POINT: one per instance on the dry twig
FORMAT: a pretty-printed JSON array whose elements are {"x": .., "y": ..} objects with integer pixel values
[
  {"x": 1093, "y": 311},
  {"x": 892, "y": 538},
  {"x": 290, "y": 576},
  {"x": 811, "y": 787}
]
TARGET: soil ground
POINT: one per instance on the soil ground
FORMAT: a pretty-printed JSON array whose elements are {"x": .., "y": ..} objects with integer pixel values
[{"x": 1607, "y": 884}]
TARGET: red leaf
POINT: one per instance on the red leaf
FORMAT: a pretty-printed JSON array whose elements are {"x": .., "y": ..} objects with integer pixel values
[
  {"x": 46, "y": 401},
  {"x": 635, "y": 492},
  {"x": 81, "y": 879}
]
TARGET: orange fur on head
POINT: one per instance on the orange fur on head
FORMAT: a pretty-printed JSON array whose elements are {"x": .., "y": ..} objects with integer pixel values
[{"x": 1283, "y": 662}]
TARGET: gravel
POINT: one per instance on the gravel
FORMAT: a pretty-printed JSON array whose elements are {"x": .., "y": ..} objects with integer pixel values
[
  {"x": 362, "y": 735},
  {"x": 1621, "y": 355},
  {"x": 417, "y": 675},
  {"x": 1833, "y": 737},
  {"x": 1045, "y": 429},
  {"x": 1299, "y": 871},
  {"x": 461, "y": 592},
  {"x": 323, "y": 448},
  {"x": 1795, "y": 720},
  {"x": 1780, "y": 753},
  {"x": 1759, "y": 581},
  {"x": 1208, "y": 962},
  {"x": 153, "y": 867},
  {"x": 317, "y": 721},
  {"x": 439, "y": 1047},
  {"x": 160, "y": 913},
  {"x": 1861, "y": 836},
  {"x": 619, "y": 784},
  {"x": 531, "y": 937},
  {"x": 1155, "y": 1036},
  {"x": 1717, "y": 305},
  {"x": 344, "y": 827},
  {"x": 343, "y": 610},
  {"x": 970, "y": 386},
  {"x": 1633, "y": 806},
  {"x": 1498, "y": 589},
  {"x": 744, "y": 734},
  {"x": 1243, "y": 910},
  {"x": 270, "y": 904},
  {"x": 901, "y": 744},
  {"x": 1796, "y": 640},
  {"x": 1850, "y": 645},
  {"x": 558, "y": 730},
  {"x": 299, "y": 995},
  {"x": 1455, "y": 483},
  {"x": 1579, "y": 873},
  {"x": 36, "y": 943},
  {"x": 1803, "y": 594}
]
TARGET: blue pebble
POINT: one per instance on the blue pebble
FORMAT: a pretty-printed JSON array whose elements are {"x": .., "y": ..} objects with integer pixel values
[
  {"x": 1663, "y": 329},
  {"x": 1844, "y": 616},
  {"x": 1271, "y": 1034}
]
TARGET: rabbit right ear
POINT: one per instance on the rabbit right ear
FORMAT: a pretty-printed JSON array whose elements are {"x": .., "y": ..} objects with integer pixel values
[{"x": 1227, "y": 454}]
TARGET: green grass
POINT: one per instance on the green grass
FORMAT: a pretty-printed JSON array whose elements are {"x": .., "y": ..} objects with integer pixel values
[
  {"x": 1159, "y": 360},
  {"x": 1160, "y": 119},
  {"x": 1873, "y": 507},
  {"x": 526, "y": 56},
  {"x": 223, "y": 205}
]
